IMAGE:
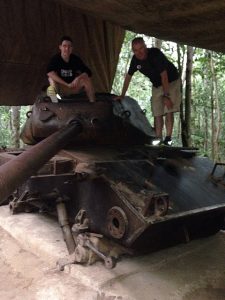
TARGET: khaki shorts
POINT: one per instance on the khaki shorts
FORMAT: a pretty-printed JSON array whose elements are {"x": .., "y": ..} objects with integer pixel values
[{"x": 158, "y": 107}]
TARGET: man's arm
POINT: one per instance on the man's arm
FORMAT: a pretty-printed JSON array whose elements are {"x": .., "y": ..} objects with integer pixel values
[
  {"x": 165, "y": 85},
  {"x": 53, "y": 75},
  {"x": 125, "y": 87}
]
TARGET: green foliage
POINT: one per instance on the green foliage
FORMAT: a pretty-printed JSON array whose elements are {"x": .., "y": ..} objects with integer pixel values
[{"x": 6, "y": 131}]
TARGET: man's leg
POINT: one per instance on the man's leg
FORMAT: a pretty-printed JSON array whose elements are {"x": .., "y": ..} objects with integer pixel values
[
  {"x": 158, "y": 126},
  {"x": 88, "y": 86},
  {"x": 83, "y": 81},
  {"x": 158, "y": 111},
  {"x": 169, "y": 129},
  {"x": 169, "y": 123},
  {"x": 175, "y": 94},
  {"x": 51, "y": 90}
]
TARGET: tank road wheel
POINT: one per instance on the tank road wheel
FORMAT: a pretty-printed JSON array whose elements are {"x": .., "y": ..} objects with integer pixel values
[{"x": 117, "y": 222}]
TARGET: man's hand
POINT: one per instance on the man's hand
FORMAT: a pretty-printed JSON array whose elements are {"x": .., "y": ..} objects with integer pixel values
[
  {"x": 76, "y": 82},
  {"x": 167, "y": 102}
]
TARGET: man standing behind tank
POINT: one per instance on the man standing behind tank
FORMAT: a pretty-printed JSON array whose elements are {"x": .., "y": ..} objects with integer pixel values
[
  {"x": 166, "y": 96},
  {"x": 67, "y": 73}
]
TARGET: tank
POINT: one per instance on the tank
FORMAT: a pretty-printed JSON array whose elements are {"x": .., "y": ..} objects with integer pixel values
[{"x": 112, "y": 191}]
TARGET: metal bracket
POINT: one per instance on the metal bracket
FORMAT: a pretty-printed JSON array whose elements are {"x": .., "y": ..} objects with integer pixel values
[
  {"x": 84, "y": 240},
  {"x": 81, "y": 223}
]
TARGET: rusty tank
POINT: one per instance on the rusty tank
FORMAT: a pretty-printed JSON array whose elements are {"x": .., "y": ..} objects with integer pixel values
[{"x": 93, "y": 166}]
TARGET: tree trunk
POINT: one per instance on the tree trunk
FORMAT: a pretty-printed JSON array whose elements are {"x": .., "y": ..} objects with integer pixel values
[
  {"x": 16, "y": 126},
  {"x": 186, "y": 121},
  {"x": 180, "y": 68},
  {"x": 206, "y": 136},
  {"x": 215, "y": 111}
]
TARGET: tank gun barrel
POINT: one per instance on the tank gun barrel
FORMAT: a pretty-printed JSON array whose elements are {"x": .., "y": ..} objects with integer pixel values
[{"x": 16, "y": 171}]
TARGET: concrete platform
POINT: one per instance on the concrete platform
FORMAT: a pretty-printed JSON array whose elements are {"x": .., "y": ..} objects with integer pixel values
[{"x": 188, "y": 271}]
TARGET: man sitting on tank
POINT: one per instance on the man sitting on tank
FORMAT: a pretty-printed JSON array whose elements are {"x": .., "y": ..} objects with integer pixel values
[{"x": 67, "y": 73}]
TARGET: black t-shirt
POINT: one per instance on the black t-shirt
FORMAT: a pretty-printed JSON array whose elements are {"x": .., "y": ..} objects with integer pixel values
[
  {"x": 155, "y": 63},
  {"x": 67, "y": 71}
]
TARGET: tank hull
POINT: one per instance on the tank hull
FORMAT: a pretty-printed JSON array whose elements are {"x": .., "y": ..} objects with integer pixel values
[
  {"x": 109, "y": 182},
  {"x": 142, "y": 203}
]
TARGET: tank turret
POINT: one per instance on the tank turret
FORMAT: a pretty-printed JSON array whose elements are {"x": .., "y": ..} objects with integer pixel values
[{"x": 105, "y": 122}]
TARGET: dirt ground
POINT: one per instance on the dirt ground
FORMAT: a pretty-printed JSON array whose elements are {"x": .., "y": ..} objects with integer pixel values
[
  {"x": 24, "y": 276},
  {"x": 195, "y": 271}
]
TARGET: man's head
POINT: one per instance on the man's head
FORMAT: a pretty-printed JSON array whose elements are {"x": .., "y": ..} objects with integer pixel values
[
  {"x": 139, "y": 48},
  {"x": 66, "y": 47}
]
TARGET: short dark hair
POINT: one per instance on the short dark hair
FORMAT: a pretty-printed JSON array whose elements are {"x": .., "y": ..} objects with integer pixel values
[
  {"x": 137, "y": 40},
  {"x": 65, "y": 38}
]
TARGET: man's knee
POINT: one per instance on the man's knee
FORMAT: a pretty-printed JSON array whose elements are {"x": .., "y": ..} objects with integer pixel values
[{"x": 87, "y": 79}]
